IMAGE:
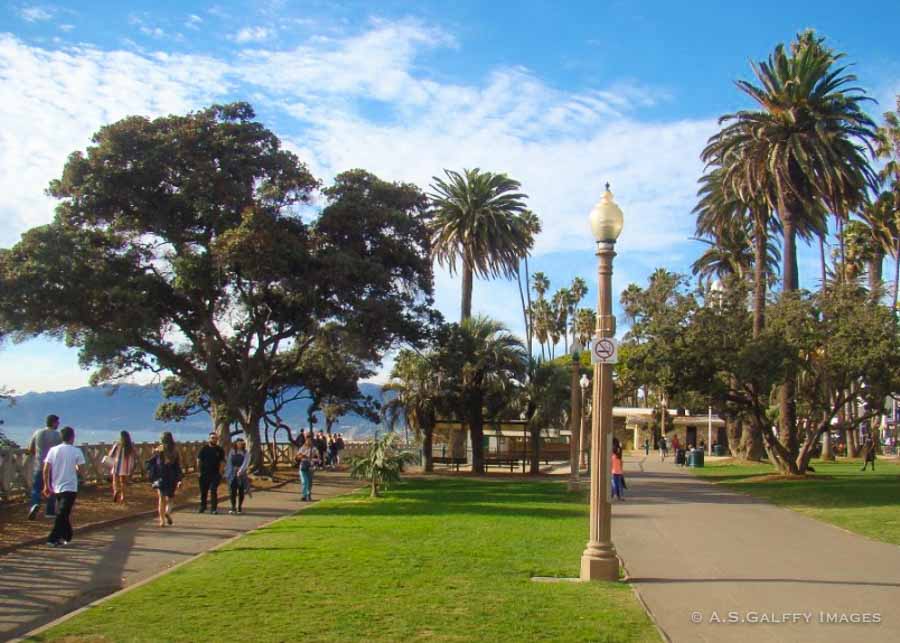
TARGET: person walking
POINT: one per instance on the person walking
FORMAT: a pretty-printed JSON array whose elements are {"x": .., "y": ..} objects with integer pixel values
[
  {"x": 210, "y": 464},
  {"x": 646, "y": 446},
  {"x": 663, "y": 448},
  {"x": 307, "y": 456},
  {"x": 331, "y": 458},
  {"x": 60, "y": 476},
  {"x": 41, "y": 442},
  {"x": 123, "y": 457},
  {"x": 869, "y": 453},
  {"x": 338, "y": 447},
  {"x": 236, "y": 464},
  {"x": 166, "y": 475},
  {"x": 618, "y": 471}
]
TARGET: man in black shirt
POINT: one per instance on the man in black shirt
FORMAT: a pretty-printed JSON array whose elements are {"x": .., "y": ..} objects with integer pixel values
[{"x": 211, "y": 465}]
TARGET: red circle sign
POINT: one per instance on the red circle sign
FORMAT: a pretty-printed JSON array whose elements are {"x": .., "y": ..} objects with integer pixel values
[{"x": 604, "y": 348}]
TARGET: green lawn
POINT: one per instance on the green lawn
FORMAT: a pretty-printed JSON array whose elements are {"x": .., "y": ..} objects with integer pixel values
[
  {"x": 438, "y": 559},
  {"x": 864, "y": 502}
]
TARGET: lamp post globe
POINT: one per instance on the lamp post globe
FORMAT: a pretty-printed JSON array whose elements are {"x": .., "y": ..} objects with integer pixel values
[{"x": 599, "y": 560}]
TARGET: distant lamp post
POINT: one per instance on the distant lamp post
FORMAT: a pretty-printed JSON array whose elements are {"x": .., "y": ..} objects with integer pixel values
[
  {"x": 575, "y": 416},
  {"x": 599, "y": 560},
  {"x": 585, "y": 382}
]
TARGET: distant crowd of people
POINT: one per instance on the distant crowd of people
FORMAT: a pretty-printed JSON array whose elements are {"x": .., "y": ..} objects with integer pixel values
[{"x": 58, "y": 464}]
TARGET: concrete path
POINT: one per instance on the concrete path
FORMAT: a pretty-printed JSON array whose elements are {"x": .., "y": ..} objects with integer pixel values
[
  {"x": 39, "y": 584},
  {"x": 697, "y": 553}
]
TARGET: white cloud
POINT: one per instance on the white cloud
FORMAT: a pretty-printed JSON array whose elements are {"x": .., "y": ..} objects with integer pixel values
[
  {"x": 193, "y": 21},
  {"x": 52, "y": 101},
  {"x": 35, "y": 13},
  {"x": 153, "y": 32},
  {"x": 561, "y": 145},
  {"x": 66, "y": 27},
  {"x": 251, "y": 34}
]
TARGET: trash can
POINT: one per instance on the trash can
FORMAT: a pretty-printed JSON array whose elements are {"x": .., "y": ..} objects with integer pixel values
[
  {"x": 695, "y": 459},
  {"x": 719, "y": 450}
]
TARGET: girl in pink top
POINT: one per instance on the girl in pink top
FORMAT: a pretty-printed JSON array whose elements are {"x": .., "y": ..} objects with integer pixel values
[
  {"x": 618, "y": 473},
  {"x": 123, "y": 456}
]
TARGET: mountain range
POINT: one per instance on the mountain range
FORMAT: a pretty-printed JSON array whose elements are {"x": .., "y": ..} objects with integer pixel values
[{"x": 104, "y": 411}]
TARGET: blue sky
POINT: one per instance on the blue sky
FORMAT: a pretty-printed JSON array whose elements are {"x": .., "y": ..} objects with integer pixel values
[{"x": 561, "y": 96}]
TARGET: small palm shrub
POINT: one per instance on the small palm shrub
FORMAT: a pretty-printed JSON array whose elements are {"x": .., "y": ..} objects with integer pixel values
[{"x": 382, "y": 464}]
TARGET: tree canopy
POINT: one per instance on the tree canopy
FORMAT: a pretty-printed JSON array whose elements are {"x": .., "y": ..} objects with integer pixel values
[{"x": 188, "y": 245}]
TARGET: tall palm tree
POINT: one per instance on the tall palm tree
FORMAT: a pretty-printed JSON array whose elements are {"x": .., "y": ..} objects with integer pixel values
[
  {"x": 417, "y": 396},
  {"x": 478, "y": 223},
  {"x": 477, "y": 352},
  {"x": 577, "y": 291},
  {"x": 560, "y": 307},
  {"x": 732, "y": 216},
  {"x": 889, "y": 150},
  {"x": 807, "y": 144},
  {"x": 585, "y": 324},
  {"x": 532, "y": 222}
]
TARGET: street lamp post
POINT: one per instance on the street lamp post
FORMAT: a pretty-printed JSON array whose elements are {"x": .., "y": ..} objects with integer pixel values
[
  {"x": 599, "y": 560},
  {"x": 575, "y": 419}
]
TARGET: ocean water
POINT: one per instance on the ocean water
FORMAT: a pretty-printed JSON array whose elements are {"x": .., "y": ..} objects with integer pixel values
[{"x": 22, "y": 434}]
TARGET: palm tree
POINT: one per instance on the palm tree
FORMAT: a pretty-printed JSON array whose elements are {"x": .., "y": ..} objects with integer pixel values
[
  {"x": 889, "y": 150},
  {"x": 585, "y": 325},
  {"x": 477, "y": 352},
  {"x": 577, "y": 291},
  {"x": 382, "y": 463},
  {"x": 531, "y": 221},
  {"x": 560, "y": 308},
  {"x": 734, "y": 224},
  {"x": 807, "y": 145},
  {"x": 478, "y": 222},
  {"x": 415, "y": 381}
]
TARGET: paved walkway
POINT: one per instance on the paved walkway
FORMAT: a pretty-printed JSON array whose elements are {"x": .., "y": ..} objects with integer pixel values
[
  {"x": 40, "y": 584},
  {"x": 695, "y": 550}
]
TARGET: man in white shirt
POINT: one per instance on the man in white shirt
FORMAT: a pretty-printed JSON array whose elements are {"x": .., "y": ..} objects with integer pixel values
[{"x": 61, "y": 468}]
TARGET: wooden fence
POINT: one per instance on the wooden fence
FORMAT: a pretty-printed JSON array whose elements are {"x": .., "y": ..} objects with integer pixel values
[{"x": 16, "y": 466}]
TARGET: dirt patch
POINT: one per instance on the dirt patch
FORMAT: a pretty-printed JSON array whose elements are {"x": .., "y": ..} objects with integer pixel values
[
  {"x": 95, "y": 504},
  {"x": 777, "y": 477}
]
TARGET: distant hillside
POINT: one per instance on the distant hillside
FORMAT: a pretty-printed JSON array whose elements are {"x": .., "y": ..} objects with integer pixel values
[{"x": 133, "y": 408}]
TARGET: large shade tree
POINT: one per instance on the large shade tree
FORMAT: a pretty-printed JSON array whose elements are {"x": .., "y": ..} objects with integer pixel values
[
  {"x": 179, "y": 247},
  {"x": 479, "y": 227}
]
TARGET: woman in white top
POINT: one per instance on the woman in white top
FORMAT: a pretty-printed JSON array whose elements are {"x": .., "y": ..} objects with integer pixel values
[{"x": 307, "y": 457}]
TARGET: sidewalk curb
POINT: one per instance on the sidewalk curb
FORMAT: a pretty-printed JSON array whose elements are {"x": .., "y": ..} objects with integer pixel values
[
  {"x": 112, "y": 522},
  {"x": 100, "y": 601}
]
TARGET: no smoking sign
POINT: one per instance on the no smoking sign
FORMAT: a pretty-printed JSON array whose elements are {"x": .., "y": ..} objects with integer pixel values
[{"x": 604, "y": 350}]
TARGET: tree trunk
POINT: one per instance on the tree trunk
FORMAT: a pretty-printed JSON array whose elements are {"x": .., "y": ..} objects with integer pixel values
[
  {"x": 875, "y": 274},
  {"x": 221, "y": 424},
  {"x": 823, "y": 266},
  {"x": 535, "y": 438},
  {"x": 250, "y": 423},
  {"x": 827, "y": 451},
  {"x": 427, "y": 447},
  {"x": 525, "y": 314},
  {"x": 476, "y": 432},
  {"x": 789, "y": 254},
  {"x": 787, "y": 393},
  {"x": 466, "y": 292},
  {"x": 896, "y": 276},
  {"x": 759, "y": 280}
]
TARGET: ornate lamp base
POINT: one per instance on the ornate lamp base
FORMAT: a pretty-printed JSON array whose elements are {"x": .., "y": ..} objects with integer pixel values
[{"x": 600, "y": 562}]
